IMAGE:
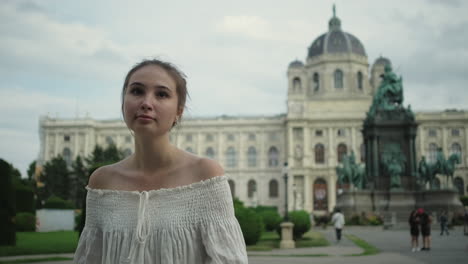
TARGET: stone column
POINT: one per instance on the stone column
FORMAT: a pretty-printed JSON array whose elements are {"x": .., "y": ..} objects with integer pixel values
[
  {"x": 331, "y": 147},
  {"x": 353, "y": 141},
  {"x": 242, "y": 162},
  {"x": 331, "y": 191},
  {"x": 56, "y": 144},
  {"x": 466, "y": 145},
  {"x": 444, "y": 142}
]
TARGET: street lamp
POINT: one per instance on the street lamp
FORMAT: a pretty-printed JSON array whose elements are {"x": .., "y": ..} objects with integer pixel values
[{"x": 285, "y": 176}]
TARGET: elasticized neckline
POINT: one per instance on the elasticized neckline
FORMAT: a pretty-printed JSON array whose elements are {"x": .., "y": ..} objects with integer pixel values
[{"x": 194, "y": 185}]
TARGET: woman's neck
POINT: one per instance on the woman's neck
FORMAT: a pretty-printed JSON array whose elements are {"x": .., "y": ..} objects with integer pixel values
[{"x": 153, "y": 154}]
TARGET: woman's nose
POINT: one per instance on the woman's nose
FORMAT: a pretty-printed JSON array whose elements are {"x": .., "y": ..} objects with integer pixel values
[{"x": 146, "y": 104}]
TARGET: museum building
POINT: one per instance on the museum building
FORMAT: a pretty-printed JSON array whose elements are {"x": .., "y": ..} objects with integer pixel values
[{"x": 328, "y": 96}]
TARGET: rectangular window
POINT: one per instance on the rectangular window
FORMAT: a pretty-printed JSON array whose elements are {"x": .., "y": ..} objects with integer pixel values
[
  {"x": 341, "y": 132},
  {"x": 432, "y": 133},
  {"x": 318, "y": 133},
  {"x": 188, "y": 138},
  {"x": 66, "y": 138},
  {"x": 455, "y": 132}
]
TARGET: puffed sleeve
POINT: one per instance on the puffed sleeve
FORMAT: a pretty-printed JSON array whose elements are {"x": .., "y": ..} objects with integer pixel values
[{"x": 221, "y": 233}]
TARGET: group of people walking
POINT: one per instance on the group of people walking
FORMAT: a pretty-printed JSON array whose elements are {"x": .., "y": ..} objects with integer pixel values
[{"x": 420, "y": 223}]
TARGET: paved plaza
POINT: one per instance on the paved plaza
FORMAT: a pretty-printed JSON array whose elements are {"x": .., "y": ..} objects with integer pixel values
[{"x": 394, "y": 246}]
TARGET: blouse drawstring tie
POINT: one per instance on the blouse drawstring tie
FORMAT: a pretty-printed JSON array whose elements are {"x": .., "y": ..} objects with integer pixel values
[{"x": 142, "y": 231}]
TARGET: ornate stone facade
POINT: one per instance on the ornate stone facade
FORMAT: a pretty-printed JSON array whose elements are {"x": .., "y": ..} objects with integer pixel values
[{"x": 327, "y": 100}]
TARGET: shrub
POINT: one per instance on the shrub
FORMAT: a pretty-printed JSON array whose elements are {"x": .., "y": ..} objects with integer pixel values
[
  {"x": 25, "y": 201},
  {"x": 250, "y": 222},
  {"x": 464, "y": 200},
  {"x": 301, "y": 222},
  {"x": 354, "y": 219},
  {"x": 25, "y": 222},
  {"x": 458, "y": 219},
  {"x": 262, "y": 208},
  {"x": 374, "y": 220},
  {"x": 55, "y": 202},
  {"x": 321, "y": 220},
  {"x": 78, "y": 215},
  {"x": 271, "y": 219}
]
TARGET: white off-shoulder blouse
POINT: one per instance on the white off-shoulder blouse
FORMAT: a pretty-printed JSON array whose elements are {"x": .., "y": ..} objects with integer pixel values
[{"x": 188, "y": 224}]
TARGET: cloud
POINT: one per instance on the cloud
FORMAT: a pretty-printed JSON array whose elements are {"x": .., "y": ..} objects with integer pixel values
[
  {"x": 250, "y": 26},
  {"x": 34, "y": 41}
]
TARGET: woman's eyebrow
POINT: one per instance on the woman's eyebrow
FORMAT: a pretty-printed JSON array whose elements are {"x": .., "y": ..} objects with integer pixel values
[{"x": 137, "y": 83}]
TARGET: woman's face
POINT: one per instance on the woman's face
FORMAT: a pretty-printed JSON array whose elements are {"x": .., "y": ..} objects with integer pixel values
[{"x": 150, "y": 101}]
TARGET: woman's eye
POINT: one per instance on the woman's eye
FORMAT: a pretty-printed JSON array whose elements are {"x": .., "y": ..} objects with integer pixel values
[
  {"x": 136, "y": 91},
  {"x": 162, "y": 94}
]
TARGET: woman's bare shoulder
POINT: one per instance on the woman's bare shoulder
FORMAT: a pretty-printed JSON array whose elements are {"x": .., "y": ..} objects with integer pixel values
[
  {"x": 200, "y": 168},
  {"x": 208, "y": 168},
  {"x": 101, "y": 178}
]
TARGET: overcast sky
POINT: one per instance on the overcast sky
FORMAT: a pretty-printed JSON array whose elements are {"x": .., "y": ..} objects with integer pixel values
[{"x": 69, "y": 58}]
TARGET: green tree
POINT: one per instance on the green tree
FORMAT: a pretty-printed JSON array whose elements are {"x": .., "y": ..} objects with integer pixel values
[
  {"x": 80, "y": 178},
  {"x": 99, "y": 157},
  {"x": 31, "y": 170},
  {"x": 7, "y": 205},
  {"x": 55, "y": 177}
]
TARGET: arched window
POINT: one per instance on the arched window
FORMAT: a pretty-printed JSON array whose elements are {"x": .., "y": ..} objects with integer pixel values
[
  {"x": 231, "y": 159},
  {"x": 338, "y": 76},
  {"x": 273, "y": 189},
  {"x": 251, "y": 188},
  {"x": 232, "y": 186},
  {"x": 316, "y": 81},
  {"x": 455, "y": 148},
  {"x": 319, "y": 151},
  {"x": 359, "y": 80},
  {"x": 342, "y": 150},
  {"x": 297, "y": 87},
  {"x": 67, "y": 156},
  {"x": 363, "y": 152},
  {"x": 251, "y": 157},
  {"x": 127, "y": 152},
  {"x": 320, "y": 195},
  {"x": 459, "y": 185},
  {"x": 273, "y": 157},
  {"x": 432, "y": 153},
  {"x": 209, "y": 153}
]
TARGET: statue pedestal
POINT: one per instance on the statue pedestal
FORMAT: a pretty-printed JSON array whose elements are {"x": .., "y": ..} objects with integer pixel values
[
  {"x": 395, "y": 205},
  {"x": 287, "y": 235}
]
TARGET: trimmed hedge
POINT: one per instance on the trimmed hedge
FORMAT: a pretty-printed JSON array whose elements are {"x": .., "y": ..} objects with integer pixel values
[
  {"x": 25, "y": 222},
  {"x": 250, "y": 222},
  {"x": 301, "y": 221},
  {"x": 271, "y": 219},
  {"x": 25, "y": 201},
  {"x": 55, "y": 202}
]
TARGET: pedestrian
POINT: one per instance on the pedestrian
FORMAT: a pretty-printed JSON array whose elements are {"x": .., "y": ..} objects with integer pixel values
[
  {"x": 426, "y": 221},
  {"x": 443, "y": 220},
  {"x": 414, "y": 222},
  {"x": 161, "y": 204},
  {"x": 338, "y": 221}
]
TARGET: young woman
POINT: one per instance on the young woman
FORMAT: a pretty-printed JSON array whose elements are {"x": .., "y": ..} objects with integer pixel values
[
  {"x": 161, "y": 204},
  {"x": 414, "y": 222}
]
